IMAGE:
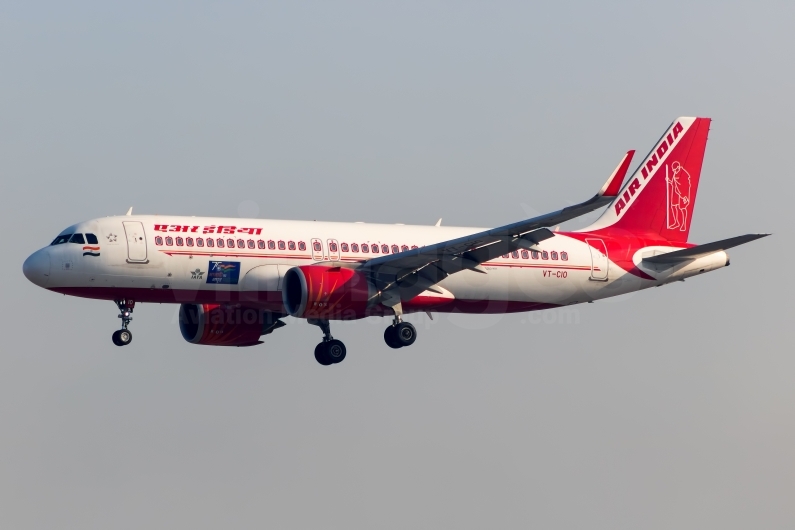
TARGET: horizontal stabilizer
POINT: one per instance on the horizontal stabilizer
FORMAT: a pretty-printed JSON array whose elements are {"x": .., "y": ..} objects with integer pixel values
[{"x": 702, "y": 250}]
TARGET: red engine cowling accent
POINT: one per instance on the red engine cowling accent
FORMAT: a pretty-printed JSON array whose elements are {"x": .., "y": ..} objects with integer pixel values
[
  {"x": 315, "y": 291},
  {"x": 220, "y": 325}
]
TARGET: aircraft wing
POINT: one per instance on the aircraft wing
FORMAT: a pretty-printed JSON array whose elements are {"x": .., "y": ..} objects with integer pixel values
[{"x": 413, "y": 271}]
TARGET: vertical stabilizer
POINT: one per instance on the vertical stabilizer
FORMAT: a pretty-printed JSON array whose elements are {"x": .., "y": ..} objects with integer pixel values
[{"x": 659, "y": 198}]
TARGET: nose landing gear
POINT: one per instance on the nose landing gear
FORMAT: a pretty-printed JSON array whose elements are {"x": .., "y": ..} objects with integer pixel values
[
  {"x": 330, "y": 351},
  {"x": 123, "y": 336}
]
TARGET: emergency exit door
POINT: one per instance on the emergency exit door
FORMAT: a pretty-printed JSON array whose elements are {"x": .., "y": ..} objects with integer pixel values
[{"x": 317, "y": 249}]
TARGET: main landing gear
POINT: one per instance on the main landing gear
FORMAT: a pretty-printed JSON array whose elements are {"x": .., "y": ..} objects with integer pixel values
[
  {"x": 123, "y": 336},
  {"x": 330, "y": 351},
  {"x": 400, "y": 333}
]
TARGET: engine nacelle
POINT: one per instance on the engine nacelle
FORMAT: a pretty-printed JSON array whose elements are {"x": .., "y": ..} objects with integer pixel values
[
  {"x": 336, "y": 293},
  {"x": 224, "y": 325}
]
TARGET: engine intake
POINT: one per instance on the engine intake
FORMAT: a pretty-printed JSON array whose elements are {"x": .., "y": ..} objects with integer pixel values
[
  {"x": 316, "y": 291},
  {"x": 225, "y": 325}
]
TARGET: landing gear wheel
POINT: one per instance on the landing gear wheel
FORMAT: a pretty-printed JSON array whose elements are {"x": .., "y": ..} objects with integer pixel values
[
  {"x": 405, "y": 334},
  {"x": 390, "y": 337},
  {"x": 336, "y": 351},
  {"x": 122, "y": 337},
  {"x": 321, "y": 354}
]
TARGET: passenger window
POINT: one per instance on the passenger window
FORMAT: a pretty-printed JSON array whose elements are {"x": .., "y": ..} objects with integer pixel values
[
  {"x": 544, "y": 254},
  {"x": 91, "y": 239},
  {"x": 534, "y": 254},
  {"x": 554, "y": 254},
  {"x": 189, "y": 241},
  {"x": 241, "y": 243},
  {"x": 61, "y": 239},
  {"x": 230, "y": 243},
  {"x": 395, "y": 249},
  {"x": 169, "y": 241},
  {"x": 374, "y": 248},
  {"x": 271, "y": 244},
  {"x": 515, "y": 254},
  {"x": 301, "y": 245},
  {"x": 220, "y": 242},
  {"x": 159, "y": 241},
  {"x": 210, "y": 242},
  {"x": 180, "y": 242},
  {"x": 316, "y": 246},
  {"x": 77, "y": 238},
  {"x": 199, "y": 242},
  {"x": 414, "y": 246},
  {"x": 251, "y": 243},
  {"x": 525, "y": 255},
  {"x": 385, "y": 249},
  {"x": 505, "y": 256},
  {"x": 354, "y": 247},
  {"x": 564, "y": 256},
  {"x": 365, "y": 248},
  {"x": 404, "y": 248},
  {"x": 282, "y": 246},
  {"x": 332, "y": 247},
  {"x": 291, "y": 245},
  {"x": 260, "y": 244},
  {"x": 344, "y": 247}
]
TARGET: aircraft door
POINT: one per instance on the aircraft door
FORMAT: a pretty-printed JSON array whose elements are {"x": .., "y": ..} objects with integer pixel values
[
  {"x": 333, "y": 250},
  {"x": 317, "y": 249},
  {"x": 599, "y": 261},
  {"x": 136, "y": 241}
]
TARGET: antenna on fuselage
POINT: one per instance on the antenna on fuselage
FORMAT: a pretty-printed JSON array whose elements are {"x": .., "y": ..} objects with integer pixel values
[
  {"x": 439, "y": 222},
  {"x": 129, "y": 212}
]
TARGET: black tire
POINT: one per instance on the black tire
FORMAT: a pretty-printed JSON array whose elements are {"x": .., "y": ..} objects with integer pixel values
[
  {"x": 405, "y": 334},
  {"x": 125, "y": 337},
  {"x": 321, "y": 355},
  {"x": 336, "y": 351},
  {"x": 390, "y": 337},
  {"x": 115, "y": 338}
]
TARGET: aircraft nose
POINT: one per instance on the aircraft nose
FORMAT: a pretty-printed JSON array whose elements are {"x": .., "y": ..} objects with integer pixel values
[{"x": 37, "y": 267}]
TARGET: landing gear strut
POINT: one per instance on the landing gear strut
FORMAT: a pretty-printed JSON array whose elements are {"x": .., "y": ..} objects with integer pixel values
[
  {"x": 400, "y": 333},
  {"x": 123, "y": 336},
  {"x": 331, "y": 350}
]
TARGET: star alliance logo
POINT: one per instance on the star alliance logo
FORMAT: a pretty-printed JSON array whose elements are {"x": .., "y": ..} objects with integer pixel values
[
  {"x": 196, "y": 275},
  {"x": 111, "y": 238}
]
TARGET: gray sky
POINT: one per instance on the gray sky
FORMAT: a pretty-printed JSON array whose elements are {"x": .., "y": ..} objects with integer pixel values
[{"x": 671, "y": 408}]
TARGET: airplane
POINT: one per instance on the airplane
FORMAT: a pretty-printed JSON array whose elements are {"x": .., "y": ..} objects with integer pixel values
[{"x": 235, "y": 279}]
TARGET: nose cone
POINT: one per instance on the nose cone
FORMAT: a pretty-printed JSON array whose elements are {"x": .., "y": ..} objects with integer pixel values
[{"x": 37, "y": 267}]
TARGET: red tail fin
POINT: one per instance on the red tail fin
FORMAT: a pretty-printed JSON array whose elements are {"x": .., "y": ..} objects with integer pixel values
[{"x": 660, "y": 196}]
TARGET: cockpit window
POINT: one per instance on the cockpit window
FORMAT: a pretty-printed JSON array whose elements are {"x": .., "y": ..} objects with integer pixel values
[
  {"x": 91, "y": 239},
  {"x": 78, "y": 238},
  {"x": 61, "y": 239}
]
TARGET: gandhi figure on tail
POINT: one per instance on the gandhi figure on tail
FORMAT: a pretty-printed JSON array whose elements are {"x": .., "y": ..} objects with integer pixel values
[{"x": 678, "y": 196}]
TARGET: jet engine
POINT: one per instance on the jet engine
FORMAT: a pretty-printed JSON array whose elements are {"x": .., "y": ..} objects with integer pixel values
[
  {"x": 225, "y": 324},
  {"x": 329, "y": 293}
]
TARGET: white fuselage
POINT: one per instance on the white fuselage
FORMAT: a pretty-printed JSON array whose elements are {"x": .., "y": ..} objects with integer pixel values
[{"x": 169, "y": 259}]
